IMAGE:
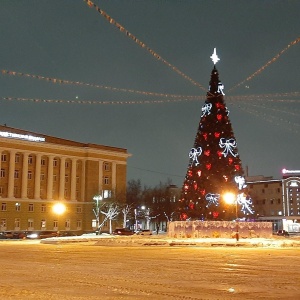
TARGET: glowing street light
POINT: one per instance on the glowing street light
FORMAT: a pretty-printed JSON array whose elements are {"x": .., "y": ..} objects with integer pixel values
[
  {"x": 59, "y": 209},
  {"x": 230, "y": 198}
]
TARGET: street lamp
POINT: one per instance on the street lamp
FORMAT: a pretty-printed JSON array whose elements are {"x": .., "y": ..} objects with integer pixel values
[
  {"x": 58, "y": 209},
  {"x": 97, "y": 199},
  {"x": 230, "y": 198}
]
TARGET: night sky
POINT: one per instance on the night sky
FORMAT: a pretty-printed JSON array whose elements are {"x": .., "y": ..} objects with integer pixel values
[{"x": 68, "y": 40}]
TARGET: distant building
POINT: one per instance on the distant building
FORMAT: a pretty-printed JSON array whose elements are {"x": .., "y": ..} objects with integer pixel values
[
  {"x": 276, "y": 197},
  {"x": 38, "y": 171}
]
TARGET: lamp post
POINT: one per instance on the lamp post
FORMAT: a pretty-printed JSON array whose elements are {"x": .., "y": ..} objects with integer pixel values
[
  {"x": 58, "y": 208},
  {"x": 97, "y": 199},
  {"x": 231, "y": 198}
]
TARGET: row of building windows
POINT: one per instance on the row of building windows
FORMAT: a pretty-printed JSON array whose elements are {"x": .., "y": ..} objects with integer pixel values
[
  {"x": 43, "y": 223},
  {"x": 106, "y": 165},
  {"x": 30, "y": 207}
]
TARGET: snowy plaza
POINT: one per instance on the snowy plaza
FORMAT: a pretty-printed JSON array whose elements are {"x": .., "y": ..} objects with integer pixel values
[{"x": 136, "y": 267}]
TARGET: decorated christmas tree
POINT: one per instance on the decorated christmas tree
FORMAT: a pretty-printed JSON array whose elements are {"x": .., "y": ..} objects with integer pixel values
[{"x": 215, "y": 167}]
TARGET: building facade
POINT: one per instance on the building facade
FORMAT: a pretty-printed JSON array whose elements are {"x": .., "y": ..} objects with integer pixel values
[
  {"x": 276, "y": 198},
  {"x": 38, "y": 171}
]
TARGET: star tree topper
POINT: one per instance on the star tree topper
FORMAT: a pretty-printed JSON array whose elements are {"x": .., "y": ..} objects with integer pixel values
[{"x": 215, "y": 57}]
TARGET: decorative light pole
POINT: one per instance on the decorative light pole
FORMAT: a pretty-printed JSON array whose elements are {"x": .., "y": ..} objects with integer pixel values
[
  {"x": 96, "y": 210},
  {"x": 59, "y": 209},
  {"x": 231, "y": 198}
]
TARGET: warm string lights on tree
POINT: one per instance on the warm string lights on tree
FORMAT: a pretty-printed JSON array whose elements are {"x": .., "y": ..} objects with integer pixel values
[{"x": 214, "y": 166}]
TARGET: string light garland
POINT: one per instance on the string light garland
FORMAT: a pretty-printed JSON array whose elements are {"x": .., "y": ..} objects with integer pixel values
[
  {"x": 36, "y": 100},
  {"x": 69, "y": 82},
  {"x": 141, "y": 44},
  {"x": 297, "y": 40}
]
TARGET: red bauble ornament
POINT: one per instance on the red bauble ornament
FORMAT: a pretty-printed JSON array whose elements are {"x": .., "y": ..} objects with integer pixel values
[
  {"x": 230, "y": 160},
  {"x": 217, "y": 134},
  {"x": 195, "y": 186},
  {"x": 183, "y": 216},
  {"x": 191, "y": 205},
  {"x": 220, "y": 153},
  {"x": 215, "y": 214},
  {"x": 219, "y": 117},
  {"x": 208, "y": 166},
  {"x": 202, "y": 192},
  {"x": 205, "y": 136},
  {"x": 237, "y": 167},
  {"x": 207, "y": 152}
]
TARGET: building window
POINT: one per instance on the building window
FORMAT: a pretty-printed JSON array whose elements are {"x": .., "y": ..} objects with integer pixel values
[
  {"x": 67, "y": 165},
  {"x": 17, "y": 158},
  {"x": 30, "y": 207},
  {"x": 278, "y": 201},
  {"x": 78, "y": 224},
  {"x": 106, "y": 166},
  {"x": 106, "y": 180},
  {"x": 3, "y": 157},
  {"x": 43, "y": 208},
  {"x": 3, "y": 173},
  {"x": 17, "y": 174},
  {"x": 3, "y": 206},
  {"x": 79, "y": 209},
  {"x": 77, "y": 180},
  {"x": 271, "y": 201},
  {"x": 66, "y": 193},
  {"x": 54, "y": 177},
  {"x": 29, "y": 175},
  {"x": 30, "y": 160},
  {"x": 17, "y": 224},
  {"x": 1, "y": 190},
  {"x": 18, "y": 206},
  {"x": 264, "y": 201},
  {"x": 106, "y": 194},
  {"x": 30, "y": 224},
  {"x": 263, "y": 191},
  {"x": 43, "y": 162},
  {"x": 43, "y": 224},
  {"x": 3, "y": 224},
  {"x": 67, "y": 224},
  {"x": 278, "y": 190},
  {"x": 55, "y": 224},
  {"x": 54, "y": 162},
  {"x": 42, "y": 176},
  {"x": 66, "y": 178}
]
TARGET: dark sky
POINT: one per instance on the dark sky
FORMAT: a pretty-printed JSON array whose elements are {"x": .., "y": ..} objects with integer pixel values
[{"x": 68, "y": 40}]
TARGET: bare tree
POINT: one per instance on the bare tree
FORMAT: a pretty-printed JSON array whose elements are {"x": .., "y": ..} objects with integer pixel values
[
  {"x": 110, "y": 211},
  {"x": 126, "y": 210}
]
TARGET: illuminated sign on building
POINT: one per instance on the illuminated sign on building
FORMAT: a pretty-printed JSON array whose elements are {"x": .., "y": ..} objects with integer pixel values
[
  {"x": 285, "y": 171},
  {"x": 27, "y": 137}
]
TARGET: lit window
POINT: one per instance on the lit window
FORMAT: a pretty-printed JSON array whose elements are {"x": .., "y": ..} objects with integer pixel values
[
  {"x": 30, "y": 160},
  {"x": 18, "y": 206},
  {"x": 3, "y": 157},
  {"x": 106, "y": 166}
]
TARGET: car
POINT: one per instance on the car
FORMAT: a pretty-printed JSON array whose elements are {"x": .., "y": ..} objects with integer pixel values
[
  {"x": 282, "y": 233},
  {"x": 40, "y": 234},
  {"x": 123, "y": 231},
  {"x": 144, "y": 232}
]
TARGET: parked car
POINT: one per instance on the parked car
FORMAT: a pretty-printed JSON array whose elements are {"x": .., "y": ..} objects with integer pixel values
[
  {"x": 144, "y": 232},
  {"x": 12, "y": 235},
  {"x": 282, "y": 233},
  {"x": 123, "y": 231},
  {"x": 40, "y": 234}
]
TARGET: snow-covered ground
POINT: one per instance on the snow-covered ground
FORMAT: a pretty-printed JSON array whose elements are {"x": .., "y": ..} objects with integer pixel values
[{"x": 156, "y": 267}]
